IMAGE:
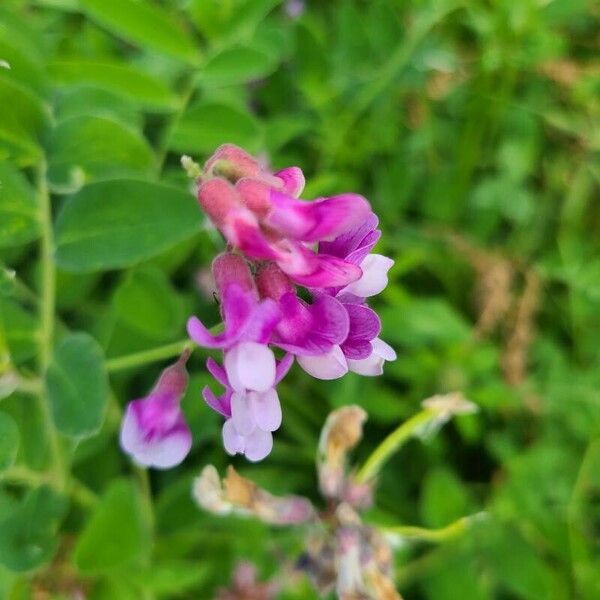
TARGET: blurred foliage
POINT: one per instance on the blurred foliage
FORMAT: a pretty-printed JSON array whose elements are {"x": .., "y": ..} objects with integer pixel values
[{"x": 473, "y": 127}]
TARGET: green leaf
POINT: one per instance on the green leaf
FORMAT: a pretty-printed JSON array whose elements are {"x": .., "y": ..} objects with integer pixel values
[
  {"x": 113, "y": 224},
  {"x": 129, "y": 82},
  {"x": 18, "y": 208},
  {"x": 23, "y": 68},
  {"x": 20, "y": 329},
  {"x": 238, "y": 64},
  {"x": 87, "y": 99},
  {"x": 9, "y": 441},
  {"x": 207, "y": 125},
  {"x": 444, "y": 498},
  {"x": 144, "y": 24},
  {"x": 86, "y": 148},
  {"x": 77, "y": 386},
  {"x": 22, "y": 118},
  {"x": 28, "y": 536},
  {"x": 147, "y": 302},
  {"x": 116, "y": 534},
  {"x": 232, "y": 20}
]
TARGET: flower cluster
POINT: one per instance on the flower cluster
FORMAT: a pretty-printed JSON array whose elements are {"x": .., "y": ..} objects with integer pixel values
[{"x": 277, "y": 244}]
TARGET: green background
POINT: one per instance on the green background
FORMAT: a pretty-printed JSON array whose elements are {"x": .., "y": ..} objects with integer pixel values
[{"x": 474, "y": 129}]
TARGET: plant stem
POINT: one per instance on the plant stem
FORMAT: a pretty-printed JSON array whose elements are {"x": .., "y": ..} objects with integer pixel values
[
  {"x": 47, "y": 310},
  {"x": 21, "y": 475},
  {"x": 30, "y": 386},
  {"x": 48, "y": 278},
  {"x": 147, "y": 356},
  {"x": 392, "y": 443},
  {"x": 443, "y": 534}
]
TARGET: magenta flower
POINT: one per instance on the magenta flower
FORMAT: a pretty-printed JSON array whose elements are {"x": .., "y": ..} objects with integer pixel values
[
  {"x": 249, "y": 362},
  {"x": 304, "y": 329},
  {"x": 361, "y": 351},
  {"x": 154, "y": 431},
  {"x": 250, "y": 373},
  {"x": 258, "y": 213},
  {"x": 329, "y": 327}
]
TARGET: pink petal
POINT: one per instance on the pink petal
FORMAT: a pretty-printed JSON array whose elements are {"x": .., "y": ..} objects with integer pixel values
[
  {"x": 293, "y": 180},
  {"x": 318, "y": 220},
  {"x": 283, "y": 366},
  {"x": 239, "y": 161},
  {"x": 221, "y": 404},
  {"x": 255, "y": 195},
  {"x": 232, "y": 440},
  {"x": 250, "y": 366},
  {"x": 258, "y": 445},
  {"x": 218, "y": 199},
  {"x": 241, "y": 229},
  {"x": 262, "y": 321},
  {"x": 230, "y": 268},
  {"x": 317, "y": 270},
  {"x": 266, "y": 409},
  {"x": 374, "y": 278},
  {"x": 327, "y": 366},
  {"x": 203, "y": 337},
  {"x": 359, "y": 240},
  {"x": 217, "y": 371},
  {"x": 242, "y": 415}
]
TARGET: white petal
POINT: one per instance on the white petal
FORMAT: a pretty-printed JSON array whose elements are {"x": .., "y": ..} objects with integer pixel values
[
  {"x": 374, "y": 279},
  {"x": 370, "y": 366},
  {"x": 258, "y": 445},
  {"x": 232, "y": 440},
  {"x": 166, "y": 452},
  {"x": 250, "y": 366},
  {"x": 383, "y": 349},
  {"x": 241, "y": 414},
  {"x": 131, "y": 437},
  {"x": 325, "y": 366},
  {"x": 266, "y": 409}
]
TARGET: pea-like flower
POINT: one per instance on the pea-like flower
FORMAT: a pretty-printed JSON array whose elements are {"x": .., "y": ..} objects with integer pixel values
[{"x": 154, "y": 431}]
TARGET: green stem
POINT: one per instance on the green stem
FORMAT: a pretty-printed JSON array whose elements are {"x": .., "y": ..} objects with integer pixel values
[
  {"x": 21, "y": 475},
  {"x": 33, "y": 387},
  {"x": 48, "y": 278},
  {"x": 47, "y": 310},
  {"x": 392, "y": 443},
  {"x": 147, "y": 356},
  {"x": 443, "y": 534}
]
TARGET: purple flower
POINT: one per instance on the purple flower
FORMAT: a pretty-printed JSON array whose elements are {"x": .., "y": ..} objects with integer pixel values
[
  {"x": 304, "y": 329},
  {"x": 154, "y": 431},
  {"x": 251, "y": 416},
  {"x": 259, "y": 213},
  {"x": 361, "y": 351},
  {"x": 250, "y": 371}
]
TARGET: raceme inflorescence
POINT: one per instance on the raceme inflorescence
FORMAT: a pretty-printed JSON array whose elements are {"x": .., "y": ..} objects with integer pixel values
[{"x": 280, "y": 250}]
